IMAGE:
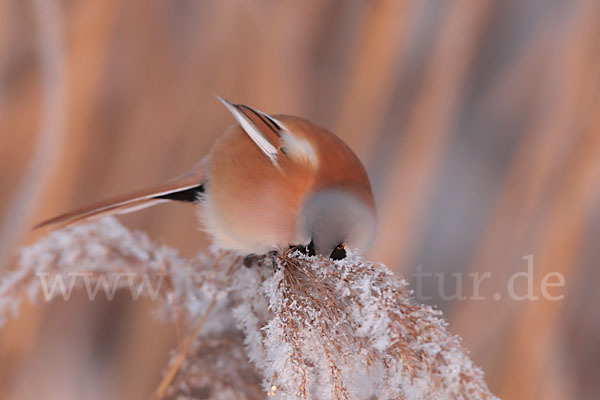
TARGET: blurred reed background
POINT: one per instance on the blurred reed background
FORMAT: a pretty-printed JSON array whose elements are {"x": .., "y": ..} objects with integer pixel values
[{"x": 478, "y": 122}]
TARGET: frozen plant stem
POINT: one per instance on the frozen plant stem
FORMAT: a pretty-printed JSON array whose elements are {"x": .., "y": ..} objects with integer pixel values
[
  {"x": 161, "y": 390},
  {"x": 309, "y": 329}
]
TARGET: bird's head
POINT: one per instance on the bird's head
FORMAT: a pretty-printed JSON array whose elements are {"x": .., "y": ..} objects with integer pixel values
[{"x": 336, "y": 219}]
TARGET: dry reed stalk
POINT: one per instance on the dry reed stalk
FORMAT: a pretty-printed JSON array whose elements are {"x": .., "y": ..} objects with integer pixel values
[
  {"x": 382, "y": 43},
  {"x": 566, "y": 221},
  {"x": 164, "y": 384},
  {"x": 543, "y": 207},
  {"x": 51, "y": 130},
  {"x": 88, "y": 33},
  {"x": 427, "y": 133},
  {"x": 524, "y": 189}
]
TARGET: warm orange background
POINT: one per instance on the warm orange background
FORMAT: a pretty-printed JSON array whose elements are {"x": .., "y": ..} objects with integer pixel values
[{"x": 478, "y": 122}]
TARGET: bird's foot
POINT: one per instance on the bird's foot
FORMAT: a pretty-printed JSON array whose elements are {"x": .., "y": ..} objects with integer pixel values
[{"x": 262, "y": 259}]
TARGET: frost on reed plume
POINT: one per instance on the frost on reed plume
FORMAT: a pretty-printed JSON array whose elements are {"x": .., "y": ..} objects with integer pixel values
[{"x": 288, "y": 327}]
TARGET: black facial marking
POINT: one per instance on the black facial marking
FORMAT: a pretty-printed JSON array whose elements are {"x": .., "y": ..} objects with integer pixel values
[
  {"x": 310, "y": 249},
  {"x": 190, "y": 195},
  {"x": 338, "y": 253}
]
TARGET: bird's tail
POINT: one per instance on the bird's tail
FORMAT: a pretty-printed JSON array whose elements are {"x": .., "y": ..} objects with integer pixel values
[{"x": 187, "y": 188}]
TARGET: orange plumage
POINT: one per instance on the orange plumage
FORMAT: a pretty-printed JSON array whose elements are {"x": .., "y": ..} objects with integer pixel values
[{"x": 267, "y": 183}]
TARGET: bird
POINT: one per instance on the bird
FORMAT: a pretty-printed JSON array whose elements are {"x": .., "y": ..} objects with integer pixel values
[{"x": 269, "y": 183}]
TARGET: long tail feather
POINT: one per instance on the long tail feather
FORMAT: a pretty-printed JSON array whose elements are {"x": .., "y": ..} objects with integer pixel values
[{"x": 187, "y": 188}]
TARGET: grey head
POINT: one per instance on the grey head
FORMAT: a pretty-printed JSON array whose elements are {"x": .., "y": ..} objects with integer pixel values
[{"x": 335, "y": 219}]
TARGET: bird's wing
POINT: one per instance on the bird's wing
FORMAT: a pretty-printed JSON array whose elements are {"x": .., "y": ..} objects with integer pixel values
[
  {"x": 264, "y": 131},
  {"x": 271, "y": 136},
  {"x": 185, "y": 188}
]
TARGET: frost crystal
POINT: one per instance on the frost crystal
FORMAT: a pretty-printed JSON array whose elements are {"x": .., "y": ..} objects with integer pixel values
[{"x": 301, "y": 327}]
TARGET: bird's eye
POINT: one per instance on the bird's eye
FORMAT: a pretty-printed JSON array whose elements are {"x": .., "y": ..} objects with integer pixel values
[{"x": 338, "y": 253}]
